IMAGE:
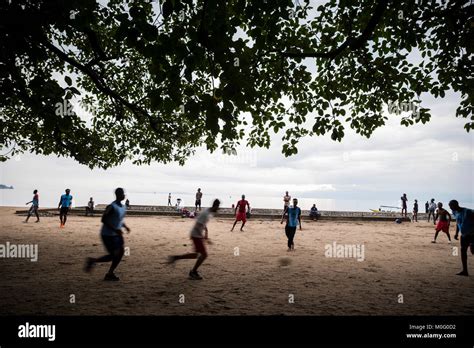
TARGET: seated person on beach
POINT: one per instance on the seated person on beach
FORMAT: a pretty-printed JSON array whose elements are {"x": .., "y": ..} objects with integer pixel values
[
  {"x": 178, "y": 204},
  {"x": 314, "y": 214},
  {"x": 90, "y": 207}
]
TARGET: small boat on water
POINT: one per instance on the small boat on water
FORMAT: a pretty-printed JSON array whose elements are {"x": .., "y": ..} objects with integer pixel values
[{"x": 387, "y": 209}]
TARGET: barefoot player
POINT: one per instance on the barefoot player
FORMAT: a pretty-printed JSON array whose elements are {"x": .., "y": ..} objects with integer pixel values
[
  {"x": 34, "y": 206},
  {"x": 241, "y": 212},
  {"x": 293, "y": 217},
  {"x": 112, "y": 236},
  {"x": 465, "y": 225},
  {"x": 443, "y": 223},
  {"x": 64, "y": 205},
  {"x": 198, "y": 239}
]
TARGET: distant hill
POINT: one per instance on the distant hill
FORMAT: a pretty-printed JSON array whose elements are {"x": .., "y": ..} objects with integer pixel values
[{"x": 5, "y": 187}]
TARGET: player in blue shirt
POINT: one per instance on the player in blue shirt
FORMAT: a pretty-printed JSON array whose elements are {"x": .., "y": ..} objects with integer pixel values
[
  {"x": 64, "y": 205},
  {"x": 293, "y": 217},
  {"x": 465, "y": 225}
]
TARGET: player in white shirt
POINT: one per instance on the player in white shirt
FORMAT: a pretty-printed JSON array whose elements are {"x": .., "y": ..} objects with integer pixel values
[{"x": 198, "y": 237}]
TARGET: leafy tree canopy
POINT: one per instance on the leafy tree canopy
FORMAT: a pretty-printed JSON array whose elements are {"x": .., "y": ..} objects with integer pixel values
[{"x": 162, "y": 79}]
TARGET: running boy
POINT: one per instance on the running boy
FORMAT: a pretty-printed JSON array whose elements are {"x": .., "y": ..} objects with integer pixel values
[
  {"x": 112, "y": 236},
  {"x": 198, "y": 240}
]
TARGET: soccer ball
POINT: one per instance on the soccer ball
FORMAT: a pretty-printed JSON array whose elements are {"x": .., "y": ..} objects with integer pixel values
[{"x": 284, "y": 261}]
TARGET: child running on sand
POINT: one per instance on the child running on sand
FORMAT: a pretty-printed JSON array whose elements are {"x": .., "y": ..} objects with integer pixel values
[
  {"x": 112, "y": 236},
  {"x": 198, "y": 240}
]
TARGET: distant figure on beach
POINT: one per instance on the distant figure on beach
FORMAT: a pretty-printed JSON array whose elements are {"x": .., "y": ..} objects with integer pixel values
[
  {"x": 293, "y": 217},
  {"x": 127, "y": 204},
  {"x": 90, "y": 207},
  {"x": 465, "y": 225},
  {"x": 64, "y": 205},
  {"x": 34, "y": 207},
  {"x": 404, "y": 204},
  {"x": 198, "y": 240},
  {"x": 112, "y": 236},
  {"x": 313, "y": 213},
  {"x": 178, "y": 204},
  {"x": 198, "y": 200},
  {"x": 169, "y": 200},
  {"x": 427, "y": 206},
  {"x": 431, "y": 211},
  {"x": 415, "y": 211},
  {"x": 443, "y": 223},
  {"x": 286, "y": 200},
  {"x": 243, "y": 206}
]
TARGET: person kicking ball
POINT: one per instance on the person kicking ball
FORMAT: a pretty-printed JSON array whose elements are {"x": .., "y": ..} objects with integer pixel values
[
  {"x": 198, "y": 240},
  {"x": 112, "y": 236}
]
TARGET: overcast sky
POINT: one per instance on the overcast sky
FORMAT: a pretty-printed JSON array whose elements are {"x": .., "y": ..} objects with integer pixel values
[{"x": 432, "y": 160}]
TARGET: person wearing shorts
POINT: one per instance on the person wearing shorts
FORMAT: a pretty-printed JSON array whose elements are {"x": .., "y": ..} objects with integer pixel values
[
  {"x": 112, "y": 236},
  {"x": 64, "y": 205},
  {"x": 443, "y": 223},
  {"x": 198, "y": 238},
  {"x": 241, "y": 213},
  {"x": 293, "y": 217},
  {"x": 197, "y": 203},
  {"x": 34, "y": 207},
  {"x": 465, "y": 226}
]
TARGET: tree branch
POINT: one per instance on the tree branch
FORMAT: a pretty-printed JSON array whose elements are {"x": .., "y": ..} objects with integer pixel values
[
  {"x": 102, "y": 86},
  {"x": 351, "y": 43}
]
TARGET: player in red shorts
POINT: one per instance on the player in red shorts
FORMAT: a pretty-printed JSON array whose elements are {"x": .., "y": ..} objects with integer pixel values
[
  {"x": 198, "y": 240},
  {"x": 443, "y": 223},
  {"x": 241, "y": 214}
]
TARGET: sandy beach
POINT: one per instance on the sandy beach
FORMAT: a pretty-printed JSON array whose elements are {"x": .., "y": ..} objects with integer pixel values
[{"x": 398, "y": 260}]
